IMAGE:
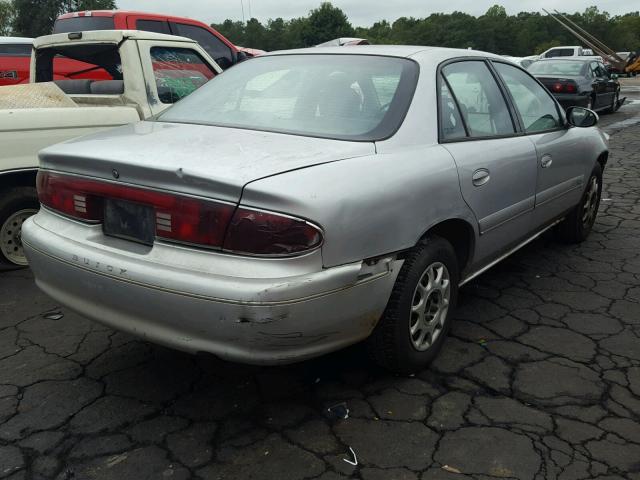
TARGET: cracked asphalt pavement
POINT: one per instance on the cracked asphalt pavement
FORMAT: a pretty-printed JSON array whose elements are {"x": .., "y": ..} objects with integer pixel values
[{"x": 540, "y": 379}]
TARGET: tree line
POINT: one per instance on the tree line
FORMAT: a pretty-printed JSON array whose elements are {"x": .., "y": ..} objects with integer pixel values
[{"x": 522, "y": 34}]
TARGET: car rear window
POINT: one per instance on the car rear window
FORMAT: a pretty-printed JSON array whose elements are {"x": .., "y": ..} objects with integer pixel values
[
  {"x": 79, "y": 24},
  {"x": 350, "y": 97},
  {"x": 560, "y": 52},
  {"x": 560, "y": 67}
]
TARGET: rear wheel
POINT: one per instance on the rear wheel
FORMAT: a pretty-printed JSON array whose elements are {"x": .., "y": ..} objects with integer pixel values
[
  {"x": 418, "y": 315},
  {"x": 577, "y": 225},
  {"x": 16, "y": 206}
]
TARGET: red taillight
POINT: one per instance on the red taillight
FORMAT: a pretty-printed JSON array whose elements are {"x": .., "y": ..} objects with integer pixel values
[
  {"x": 178, "y": 217},
  {"x": 566, "y": 86},
  {"x": 184, "y": 219},
  {"x": 68, "y": 195},
  {"x": 256, "y": 232}
]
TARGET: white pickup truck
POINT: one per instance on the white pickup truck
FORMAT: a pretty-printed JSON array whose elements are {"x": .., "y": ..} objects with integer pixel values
[{"x": 80, "y": 83}]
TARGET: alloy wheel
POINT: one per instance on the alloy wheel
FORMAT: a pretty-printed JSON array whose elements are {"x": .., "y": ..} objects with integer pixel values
[
  {"x": 429, "y": 306},
  {"x": 11, "y": 236}
]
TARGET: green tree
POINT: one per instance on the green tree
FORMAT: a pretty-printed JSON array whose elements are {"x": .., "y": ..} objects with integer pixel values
[
  {"x": 326, "y": 23},
  {"x": 6, "y": 17},
  {"x": 36, "y": 17}
]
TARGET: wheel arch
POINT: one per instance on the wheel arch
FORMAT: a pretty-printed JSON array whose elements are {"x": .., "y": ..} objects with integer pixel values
[
  {"x": 17, "y": 178},
  {"x": 603, "y": 158},
  {"x": 460, "y": 234}
]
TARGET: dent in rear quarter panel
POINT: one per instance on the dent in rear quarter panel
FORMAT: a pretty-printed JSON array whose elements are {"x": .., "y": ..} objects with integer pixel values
[{"x": 368, "y": 206}]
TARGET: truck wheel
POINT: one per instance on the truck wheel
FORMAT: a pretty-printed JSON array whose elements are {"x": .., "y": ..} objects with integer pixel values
[
  {"x": 576, "y": 226},
  {"x": 15, "y": 207},
  {"x": 418, "y": 315}
]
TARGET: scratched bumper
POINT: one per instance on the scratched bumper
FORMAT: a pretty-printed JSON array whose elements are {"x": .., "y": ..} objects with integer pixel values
[{"x": 241, "y": 309}]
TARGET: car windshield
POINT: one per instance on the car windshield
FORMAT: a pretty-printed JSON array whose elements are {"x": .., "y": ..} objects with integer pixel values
[
  {"x": 560, "y": 67},
  {"x": 350, "y": 97}
]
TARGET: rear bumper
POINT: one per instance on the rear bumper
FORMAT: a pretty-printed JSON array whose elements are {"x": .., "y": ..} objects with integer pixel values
[
  {"x": 261, "y": 320},
  {"x": 572, "y": 100}
]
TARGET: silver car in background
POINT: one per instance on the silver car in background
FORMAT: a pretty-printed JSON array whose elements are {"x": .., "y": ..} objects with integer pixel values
[{"x": 310, "y": 199}]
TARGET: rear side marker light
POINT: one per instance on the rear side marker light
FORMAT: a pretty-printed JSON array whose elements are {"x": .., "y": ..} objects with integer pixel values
[{"x": 184, "y": 219}]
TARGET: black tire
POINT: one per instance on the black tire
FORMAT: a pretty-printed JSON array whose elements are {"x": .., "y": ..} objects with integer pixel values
[
  {"x": 575, "y": 228},
  {"x": 391, "y": 344},
  {"x": 19, "y": 199}
]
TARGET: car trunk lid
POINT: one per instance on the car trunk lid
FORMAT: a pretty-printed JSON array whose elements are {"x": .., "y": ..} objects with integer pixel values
[{"x": 208, "y": 161}]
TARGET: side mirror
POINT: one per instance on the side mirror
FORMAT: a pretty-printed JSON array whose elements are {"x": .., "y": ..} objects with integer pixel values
[
  {"x": 581, "y": 117},
  {"x": 614, "y": 76}
]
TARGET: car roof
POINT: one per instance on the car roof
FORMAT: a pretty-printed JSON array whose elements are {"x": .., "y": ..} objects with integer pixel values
[
  {"x": 405, "y": 51},
  {"x": 573, "y": 59},
  {"x": 16, "y": 40},
  {"x": 111, "y": 36},
  {"x": 118, "y": 12}
]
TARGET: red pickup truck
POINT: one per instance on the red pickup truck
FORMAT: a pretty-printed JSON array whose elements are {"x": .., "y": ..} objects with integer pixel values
[
  {"x": 15, "y": 55},
  {"x": 218, "y": 47}
]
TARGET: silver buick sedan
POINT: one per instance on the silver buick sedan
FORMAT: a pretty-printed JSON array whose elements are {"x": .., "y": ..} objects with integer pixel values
[{"x": 309, "y": 199}]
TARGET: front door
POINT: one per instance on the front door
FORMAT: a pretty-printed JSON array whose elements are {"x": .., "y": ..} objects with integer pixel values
[
  {"x": 561, "y": 159},
  {"x": 496, "y": 166}
]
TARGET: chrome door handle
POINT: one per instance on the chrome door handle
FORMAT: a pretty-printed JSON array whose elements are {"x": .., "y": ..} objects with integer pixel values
[
  {"x": 480, "y": 177},
  {"x": 546, "y": 161}
]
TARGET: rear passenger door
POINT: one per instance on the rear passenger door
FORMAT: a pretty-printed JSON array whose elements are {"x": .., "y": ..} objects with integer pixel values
[
  {"x": 496, "y": 165},
  {"x": 562, "y": 161}
]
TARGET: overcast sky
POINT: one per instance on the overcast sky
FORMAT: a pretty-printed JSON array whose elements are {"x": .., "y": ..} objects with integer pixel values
[{"x": 360, "y": 12}]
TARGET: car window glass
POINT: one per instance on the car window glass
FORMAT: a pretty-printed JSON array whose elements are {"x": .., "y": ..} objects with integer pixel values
[
  {"x": 153, "y": 26},
  {"x": 451, "y": 124},
  {"x": 556, "y": 67},
  {"x": 328, "y": 96},
  {"x": 536, "y": 107},
  {"x": 385, "y": 87},
  {"x": 207, "y": 40},
  {"x": 178, "y": 72},
  {"x": 481, "y": 103},
  {"x": 602, "y": 72},
  {"x": 16, "y": 49},
  {"x": 560, "y": 52}
]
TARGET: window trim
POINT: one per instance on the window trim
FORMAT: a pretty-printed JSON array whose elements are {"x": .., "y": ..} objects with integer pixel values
[
  {"x": 440, "y": 76},
  {"x": 563, "y": 121},
  {"x": 506, "y": 94}
]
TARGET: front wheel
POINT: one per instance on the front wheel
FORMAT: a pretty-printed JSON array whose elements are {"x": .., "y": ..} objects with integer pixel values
[
  {"x": 576, "y": 227},
  {"x": 418, "y": 315},
  {"x": 16, "y": 206}
]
